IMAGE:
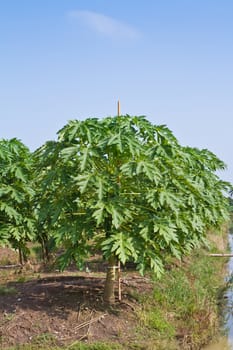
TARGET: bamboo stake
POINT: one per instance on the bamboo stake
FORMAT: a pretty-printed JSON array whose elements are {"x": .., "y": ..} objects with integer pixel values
[
  {"x": 119, "y": 281},
  {"x": 119, "y": 263},
  {"x": 118, "y": 108},
  {"x": 224, "y": 255}
]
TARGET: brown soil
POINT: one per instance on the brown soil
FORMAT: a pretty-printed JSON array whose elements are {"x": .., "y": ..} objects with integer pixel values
[{"x": 65, "y": 308}]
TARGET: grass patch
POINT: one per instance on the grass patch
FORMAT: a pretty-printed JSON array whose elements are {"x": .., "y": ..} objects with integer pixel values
[
  {"x": 96, "y": 346},
  {"x": 76, "y": 346},
  {"x": 5, "y": 290},
  {"x": 184, "y": 304}
]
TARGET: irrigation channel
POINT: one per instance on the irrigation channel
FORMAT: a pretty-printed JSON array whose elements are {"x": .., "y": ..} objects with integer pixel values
[{"x": 226, "y": 342}]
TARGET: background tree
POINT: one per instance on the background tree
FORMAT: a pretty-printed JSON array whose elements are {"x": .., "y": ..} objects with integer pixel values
[
  {"x": 127, "y": 187},
  {"x": 16, "y": 194},
  {"x": 47, "y": 201}
]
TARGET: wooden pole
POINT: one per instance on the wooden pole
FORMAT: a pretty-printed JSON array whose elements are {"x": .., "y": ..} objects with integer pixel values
[
  {"x": 118, "y": 108},
  {"x": 224, "y": 255},
  {"x": 119, "y": 263},
  {"x": 119, "y": 281}
]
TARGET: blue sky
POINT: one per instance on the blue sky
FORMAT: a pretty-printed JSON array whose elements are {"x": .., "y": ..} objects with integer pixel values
[{"x": 170, "y": 60}]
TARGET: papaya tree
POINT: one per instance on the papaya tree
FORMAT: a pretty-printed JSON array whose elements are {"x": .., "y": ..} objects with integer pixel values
[
  {"x": 50, "y": 197},
  {"x": 126, "y": 187},
  {"x": 16, "y": 194}
]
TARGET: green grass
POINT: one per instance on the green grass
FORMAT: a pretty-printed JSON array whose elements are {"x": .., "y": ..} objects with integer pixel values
[
  {"x": 184, "y": 301},
  {"x": 76, "y": 346},
  {"x": 96, "y": 346},
  {"x": 5, "y": 290}
]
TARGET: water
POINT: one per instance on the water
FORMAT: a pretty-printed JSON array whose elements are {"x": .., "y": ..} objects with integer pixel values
[{"x": 226, "y": 343}]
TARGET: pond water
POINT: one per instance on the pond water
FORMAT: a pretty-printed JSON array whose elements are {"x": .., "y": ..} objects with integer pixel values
[{"x": 226, "y": 343}]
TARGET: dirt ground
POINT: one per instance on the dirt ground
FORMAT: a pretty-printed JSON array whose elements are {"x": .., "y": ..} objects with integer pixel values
[{"x": 63, "y": 308}]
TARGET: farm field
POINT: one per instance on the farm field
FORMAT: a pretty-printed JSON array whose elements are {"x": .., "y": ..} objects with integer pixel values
[{"x": 51, "y": 310}]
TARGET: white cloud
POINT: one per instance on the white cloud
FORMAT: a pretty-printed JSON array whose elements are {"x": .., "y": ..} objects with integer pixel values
[{"x": 106, "y": 25}]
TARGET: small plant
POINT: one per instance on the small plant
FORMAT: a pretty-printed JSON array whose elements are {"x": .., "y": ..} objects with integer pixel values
[
  {"x": 44, "y": 338},
  {"x": 5, "y": 290},
  {"x": 9, "y": 317},
  {"x": 21, "y": 279},
  {"x": 157, "y": 321}
]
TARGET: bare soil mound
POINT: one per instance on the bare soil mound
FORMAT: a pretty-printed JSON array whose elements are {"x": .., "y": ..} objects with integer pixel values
[{"x": 64, "y": 309}]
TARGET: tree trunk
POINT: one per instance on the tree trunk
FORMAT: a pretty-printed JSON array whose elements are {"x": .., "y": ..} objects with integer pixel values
[
  {"x": 20, "y": 256},
  {"x": 42, "y": 249},
  {"x": 23, "y": 254},
  {"x": 47, "y": 252},
  {"x": 109, "y": 296}
]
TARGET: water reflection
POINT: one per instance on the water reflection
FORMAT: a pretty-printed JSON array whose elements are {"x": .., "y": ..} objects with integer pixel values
[
  {"x": 228, "y": 314},
  {"x": 226, "y": 343}
]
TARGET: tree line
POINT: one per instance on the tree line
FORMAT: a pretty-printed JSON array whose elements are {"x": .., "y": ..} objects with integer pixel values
[{"x": 117, "y": 185}]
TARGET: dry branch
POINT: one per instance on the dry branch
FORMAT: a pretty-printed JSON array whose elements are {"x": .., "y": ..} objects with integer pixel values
[{"x": 87, "y": 323}]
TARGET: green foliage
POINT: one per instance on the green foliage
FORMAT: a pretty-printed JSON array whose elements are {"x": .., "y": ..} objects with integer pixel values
[
  {"x": 127, "y": 187},
  {"x": 16, "y": 194}
]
